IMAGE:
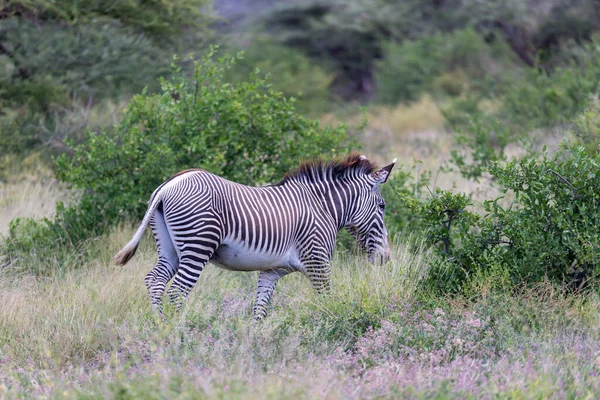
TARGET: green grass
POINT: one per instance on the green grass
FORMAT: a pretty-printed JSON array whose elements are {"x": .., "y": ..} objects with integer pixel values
[{"x": 89, "y": 333}]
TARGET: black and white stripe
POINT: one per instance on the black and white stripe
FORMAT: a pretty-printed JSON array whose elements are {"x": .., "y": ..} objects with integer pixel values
[{"x": 197, "y": 217}]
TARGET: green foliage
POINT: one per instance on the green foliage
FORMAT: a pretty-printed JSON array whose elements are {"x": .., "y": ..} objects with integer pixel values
[
  {"x": 328, "y": 30},
  {"x": 404, "y": 187},
  {"x": 479, "y": 144},
  {"x": 408, "y": 69},
  {"x": 586, "y": 125},
  {"x": 153, "y": 17},
  {"x": 447, "y": 64},
  {"x": 52, "y": 68},
  {"x": 549, "y": 229},
  {"x": 352, "y": 36},
  {"x": 246, "y": 132},
  {"x": 290, "y": 72},
  {"x": 529, "y": 98},
  {"x": 541, "y": 99},
  {"x": 57, "y": 55},
  {"x": 98, "y": 59}
]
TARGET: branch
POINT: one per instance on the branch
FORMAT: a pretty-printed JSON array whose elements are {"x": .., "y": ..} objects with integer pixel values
[
  {"x": 447, "y": 238},
  {"x": 16, "y": 9},
  {"x": 562, "y": 178},
  {"x": 517, "y": 39}
]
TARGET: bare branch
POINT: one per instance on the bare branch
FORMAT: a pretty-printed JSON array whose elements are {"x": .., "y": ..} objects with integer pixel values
[{"x": 562, "y": 178}]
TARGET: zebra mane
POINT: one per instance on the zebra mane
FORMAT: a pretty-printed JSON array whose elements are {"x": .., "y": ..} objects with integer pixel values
[{"x": 319, "y": 170}]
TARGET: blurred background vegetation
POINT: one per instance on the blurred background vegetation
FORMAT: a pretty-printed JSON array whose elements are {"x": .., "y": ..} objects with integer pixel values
[
  {"x": 65, "y": 65},
  {"x": 455, "y": 88}
]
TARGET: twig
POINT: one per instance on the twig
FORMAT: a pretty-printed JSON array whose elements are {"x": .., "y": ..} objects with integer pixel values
[
  {"x": 562, "y": 178},
  {"x": 196, "y": 91}
]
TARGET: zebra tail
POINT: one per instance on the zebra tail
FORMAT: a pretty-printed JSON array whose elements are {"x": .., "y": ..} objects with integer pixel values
[{"x": 123, "y": 256}]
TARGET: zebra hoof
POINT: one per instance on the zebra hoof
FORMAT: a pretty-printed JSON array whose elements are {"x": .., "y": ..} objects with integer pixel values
[{"x": 258, "y": 318}]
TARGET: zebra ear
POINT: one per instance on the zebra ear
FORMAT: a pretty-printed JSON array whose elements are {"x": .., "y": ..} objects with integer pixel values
[{"x": 383, "y": 174}]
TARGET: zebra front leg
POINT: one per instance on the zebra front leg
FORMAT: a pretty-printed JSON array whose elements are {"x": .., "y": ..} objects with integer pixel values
[
  {"x": 317, "y": 269},
  {"x": 266, "y": 286},
  {"x": 320, "y": 277}
]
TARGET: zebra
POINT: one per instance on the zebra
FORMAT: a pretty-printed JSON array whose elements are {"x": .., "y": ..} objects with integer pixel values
[{"x": 291, "y": 226}]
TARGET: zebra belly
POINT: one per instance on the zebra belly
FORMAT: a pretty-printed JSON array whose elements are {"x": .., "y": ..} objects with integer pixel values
[{"x": 237, "y": 257}]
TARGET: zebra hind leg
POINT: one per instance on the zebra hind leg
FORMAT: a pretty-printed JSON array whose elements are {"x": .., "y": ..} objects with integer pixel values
[
  {"x": 156, "y": 281},
  {"x": 266, "y": 286},
  {"x": 168, "y": 262},
  {"x": 194, "y": 253}
]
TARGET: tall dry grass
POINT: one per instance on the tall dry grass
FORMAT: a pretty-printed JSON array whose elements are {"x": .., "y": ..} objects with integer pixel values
[
  {"x": 91, "y": 333},
  {"x": 28, "y": 190},
  {"x": 418, "y": 136}
]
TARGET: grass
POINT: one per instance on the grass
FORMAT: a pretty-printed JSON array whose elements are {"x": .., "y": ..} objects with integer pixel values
[
  {"x": 28, "y": 190},
  {"x": 90, "y": 332}
]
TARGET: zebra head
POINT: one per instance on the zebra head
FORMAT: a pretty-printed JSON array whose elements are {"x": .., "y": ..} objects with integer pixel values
[{"x": 367, "y": 225}]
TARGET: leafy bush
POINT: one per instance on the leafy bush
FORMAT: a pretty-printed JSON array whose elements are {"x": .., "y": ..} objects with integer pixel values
[
  {"x": 57, "y": 55},
  {"x": 404, "y": 184},
  {"x": 541, "y": 99},
  {"x": 245, "y": 132},
  {"x": 351, "y": 35},
  {"x": 586, "y": 125},
  {"x": 290, "y": 72},
  {"x": 480, "y": 143},
  {"x": 410, "y": 68},
  {"x": 65, "y": 66},
  {"x": 407, "y": 69},
  {"x": 531, "y": 98},
  {"x": 160, "y": 18},
  {"x": 549, "y": 229}
]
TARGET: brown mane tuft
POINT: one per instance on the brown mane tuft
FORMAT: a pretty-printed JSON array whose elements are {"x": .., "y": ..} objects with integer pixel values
[{"x": 332, "y": 169}]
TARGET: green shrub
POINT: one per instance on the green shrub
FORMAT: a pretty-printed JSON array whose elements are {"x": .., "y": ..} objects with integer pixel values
[
  {"x": 404, "y": 184},
  {"x": 290, "y": 72},
  {"x": 481, "y": 142},
  {"x": 157, "y": 18},
  {"x": 246, "y": 132},
  {"x": 541, "y": 99},
  {"x": 549, "y": 231},
  {"x": 586, "y": 125},
  {"x": 408, "y": 69},
  {"x": 60, "y": 55},
  {"x": 98, "y": 60},
  {"x": 534, "y": 97}
]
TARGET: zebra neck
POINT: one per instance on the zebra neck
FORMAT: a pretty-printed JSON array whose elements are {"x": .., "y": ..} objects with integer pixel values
[{"x": 336, "y": 198}]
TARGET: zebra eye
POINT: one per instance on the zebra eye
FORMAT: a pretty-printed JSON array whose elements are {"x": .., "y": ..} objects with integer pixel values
[{"x": 382, "y": 206}]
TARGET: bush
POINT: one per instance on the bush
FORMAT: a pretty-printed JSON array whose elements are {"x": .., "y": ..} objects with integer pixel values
[
  {"x": 290, "y": 72},
  {"x": 549, "y": 231},
  {"x": 404, "y": 184},
  {"x": 531, "y": 98},
  {"x": 245, "y": 132},
  {"x": 541, "y": 99},
  {"x": 408, "y": 69},
  {"x": 57, "y": 53},
  {"x": 586, "y": 125}
]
